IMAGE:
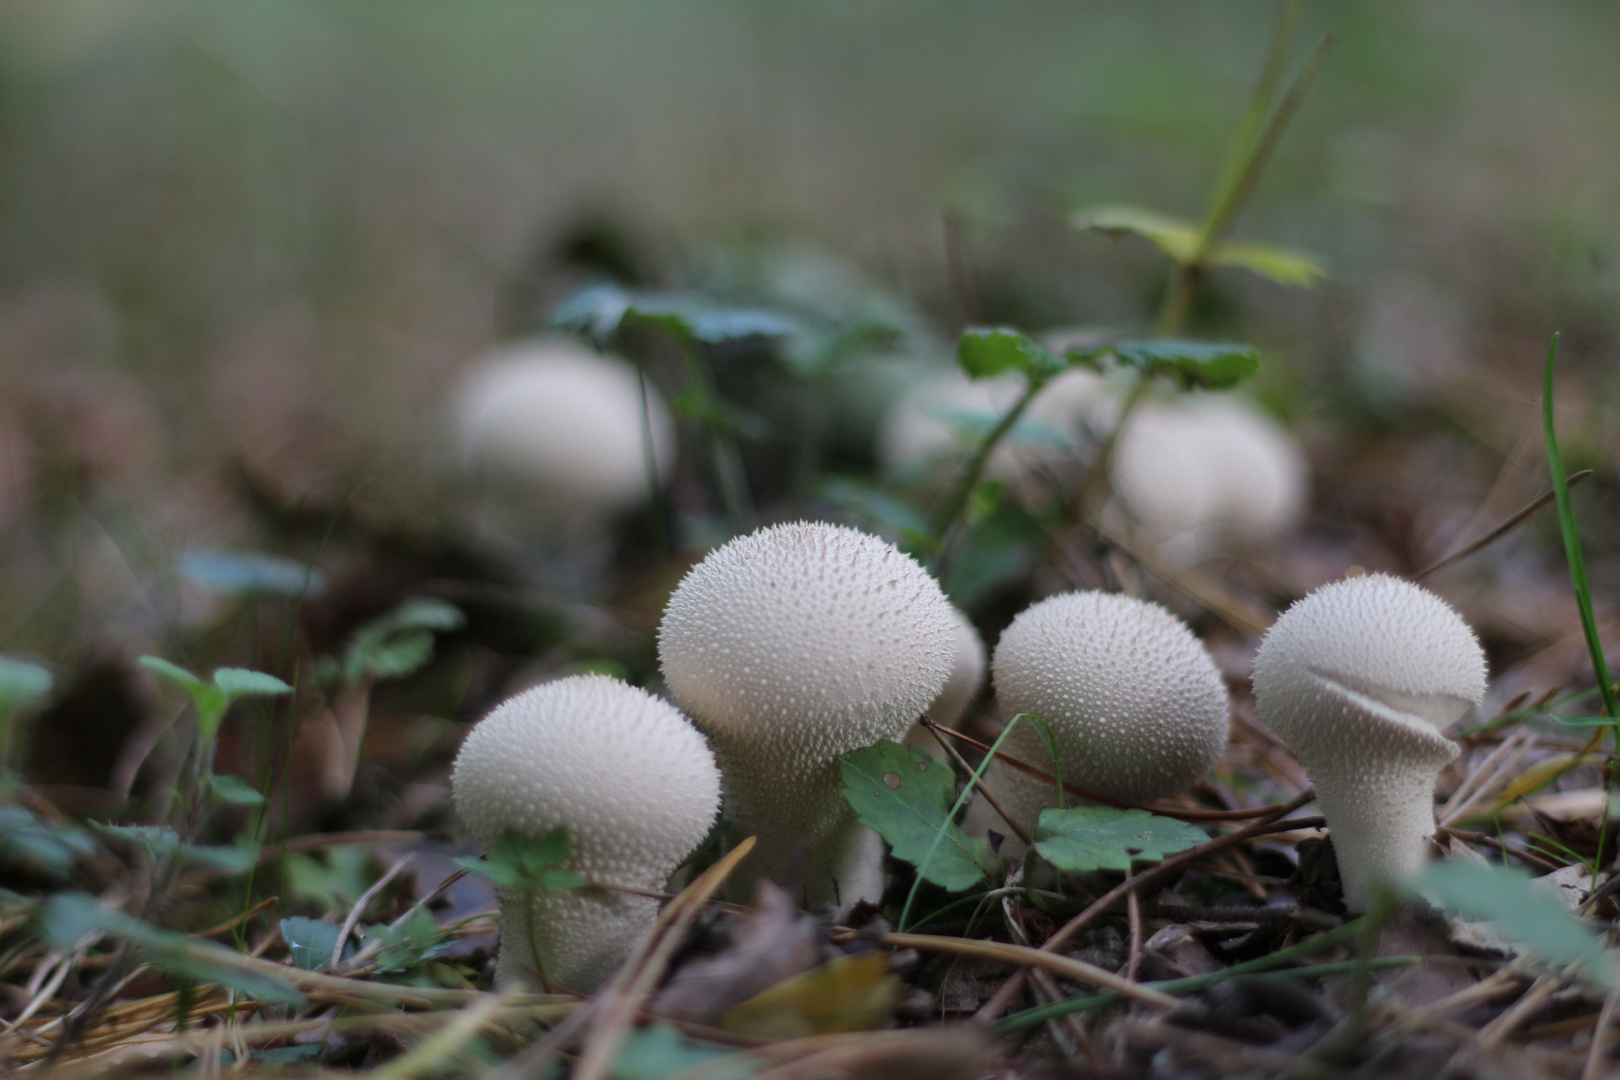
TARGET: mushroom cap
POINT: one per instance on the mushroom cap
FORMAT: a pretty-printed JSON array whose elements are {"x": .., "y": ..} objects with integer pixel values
[
  {"x": 806, "y": 639},
  {"x": 1374, "y": 646},
  {"x": 967, "y": 674},
  {"x": 1209, "y": 463},
  {"x": 1136, "y": 704},
  {"x": 562, "y": 427},
  {"x": 629, "y": 777}
]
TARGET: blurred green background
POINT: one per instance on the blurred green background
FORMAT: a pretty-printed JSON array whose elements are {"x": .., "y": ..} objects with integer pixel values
[{"x": 273, "y": 231}]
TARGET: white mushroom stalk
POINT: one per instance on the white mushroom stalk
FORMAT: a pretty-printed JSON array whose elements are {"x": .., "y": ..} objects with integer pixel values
[
  {"x": 631, "y": 780},
  {"x": 1358, "y": 679},
  {"x": 1136, "y": 706},
  {"x": 560, "y": 439},
  {"x": 967, "y": 675},
  {"x": 791, "y": 646}
]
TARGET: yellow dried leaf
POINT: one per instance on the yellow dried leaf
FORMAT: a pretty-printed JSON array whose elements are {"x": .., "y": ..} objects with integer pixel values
[{"x": 852, "y": 993}]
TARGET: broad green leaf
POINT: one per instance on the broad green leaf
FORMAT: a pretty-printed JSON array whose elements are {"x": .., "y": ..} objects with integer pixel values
[
  {"x": 1084, "y": 838},
  {"x": 905, "y": 796},
  {"x": 1174, "y": 236},
  {"x": 595, "y": 311},
  {"x": 240, "y": 682},
  {"x": 22, "y": 685},
  {"x": 984, "y": 352},
  {"x": 660, "y": 1052},
  {"x": 233, "y": 790},
  {"x": 1281, "y": 265},
  {"x": 310, "y": 942},
  {"x": 1177, "y": 238},
  {"x": 48, "y": 850},
  {"x": 851, "y": 993},
  {"x": 1531, "y": 917},
  {"x": 243, "y": 572},
  {"x": 1197, "y": 363},
  {"x": 175, "y": 674},
  {"x": 701, "y": 320}
]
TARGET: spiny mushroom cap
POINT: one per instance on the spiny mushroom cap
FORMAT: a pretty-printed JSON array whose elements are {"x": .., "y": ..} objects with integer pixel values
[
  {"x": 967, "y": 674},
  {"x": 806, "y": 640},
  {"x": 564, "y": 425},
  {"x": 1372, "y": 647},
  {"x": 624, "y": 772},
  {"x": 1135, "y": 702}
]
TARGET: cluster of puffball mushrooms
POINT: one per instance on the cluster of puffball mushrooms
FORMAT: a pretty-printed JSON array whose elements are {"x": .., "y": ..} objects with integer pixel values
[{"x": 801, "y": 642}]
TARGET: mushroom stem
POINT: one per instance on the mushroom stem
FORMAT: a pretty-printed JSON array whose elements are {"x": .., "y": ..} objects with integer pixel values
[
  {"x": 1382, "y": 839},
  {"x": 571, "y": 939}
]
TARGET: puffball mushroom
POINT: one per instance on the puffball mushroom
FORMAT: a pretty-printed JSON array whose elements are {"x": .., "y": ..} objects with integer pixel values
[
  {"x": 789, "y": 647},
  {"x": 967, "y": 674},
  {"x": 558, "y": 436},
  {"x": 1207, "y": 469},
  {"x": 631, "y": 780},
  {"x": 1136, "y": 705},
  {"x": 1357, "y": 679}
]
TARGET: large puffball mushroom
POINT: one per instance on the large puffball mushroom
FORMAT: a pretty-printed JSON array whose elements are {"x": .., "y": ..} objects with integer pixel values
[
  {"x": 967, "y": 675},
  {"x": 1358, "y": 679},
  {"x": 631, "y": 780},
  {"x": 558, "y": 439},
  {"x": 789, "y": 647},
  {"x": 1206, "y": 470},
  {"x": 1136, "y": 706}
]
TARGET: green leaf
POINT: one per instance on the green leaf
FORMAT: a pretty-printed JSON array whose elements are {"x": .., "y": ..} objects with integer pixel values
[
  {"x": 906, "y": 796},
  {"x": 699, "y": 319},
  {"x": 410, "y": 944},
  {"x": 240, "y": 682},
  {"x": 1178, "y": 238},
  {"x": 1084, "y": 838},
  {"x": 175, "y": 674},
  {"x": 240, "y": 573},
  {"x": 884, "y": 512},
  {"x": 1174, "y": 236},
  {"x": 518, "y": 861},
  {"x": 22, "y": 685},
  {"x": 660, "y": 1052},
  {"x": 160, "y": 841},
  {"x": 310, "y": 942},
  {"x": 38, "y": 847},
  {"x": 984, "y": 352},
  {"x": 1196, "y": 363},
  {"x": 595, "y": 311},
  {"x": 1282, "y": 265},
  {"x": 233, "y": 790},
  {"x": 1531, "y": 917},
  {"x": 399, "y": 642}
]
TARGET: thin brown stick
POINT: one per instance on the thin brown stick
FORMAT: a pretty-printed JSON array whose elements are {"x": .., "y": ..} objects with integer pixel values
[
  {"x": 1595, "y": 1065},
  {"x": 1074, "y": 789},
  {"x": 1003, "y": 997},
  {"x": 360, "y": 905},
  {"x": 1507, "y": 526},
  {"x": 936, "y": 730},
  {"x": 1133, "y": 916},
  {"x": 1024, "y": 956}
]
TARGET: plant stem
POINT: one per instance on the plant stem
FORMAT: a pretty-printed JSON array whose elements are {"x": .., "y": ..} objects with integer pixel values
[
  {"x": 1235, "y": 186},
  {"x": 722, "y": 448},
  {"x": 957, "y": 500}
]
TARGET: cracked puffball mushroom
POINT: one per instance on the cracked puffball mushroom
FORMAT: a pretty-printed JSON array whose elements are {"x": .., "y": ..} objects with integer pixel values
[
  {"x": 558, "y": 438},
  {"x": 1358, "y": 679},
  {"x": 1136, "y": 706},
  {"x": 629, "y": 778},
  {"x": 789, "y": 647}
]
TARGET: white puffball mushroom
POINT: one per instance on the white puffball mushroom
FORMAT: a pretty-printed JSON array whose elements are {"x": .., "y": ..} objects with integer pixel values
[
  {"x": 1358, "y": 679},
  {"x": 789, "y": 647},
  {"x": 967, "y": 675},
  {"x": 557, "y": 435},
  {"x": 1136, "y": 705},
  {"x": 631, "y": 780},
  {"x": 1208, "y": 469}
]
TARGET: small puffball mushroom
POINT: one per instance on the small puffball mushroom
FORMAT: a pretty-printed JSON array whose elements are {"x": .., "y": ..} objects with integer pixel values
[
  {"x": 789, "y": 647},
  {"x": 1357, "y": 679},
  {"x": 631, "y": 780},
  {"x": 1136, "y": 705},
  {"x": 1207, "y": 469},
  {"x": 558, "y": 437},
  {"x": 967, "y": 675}
]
